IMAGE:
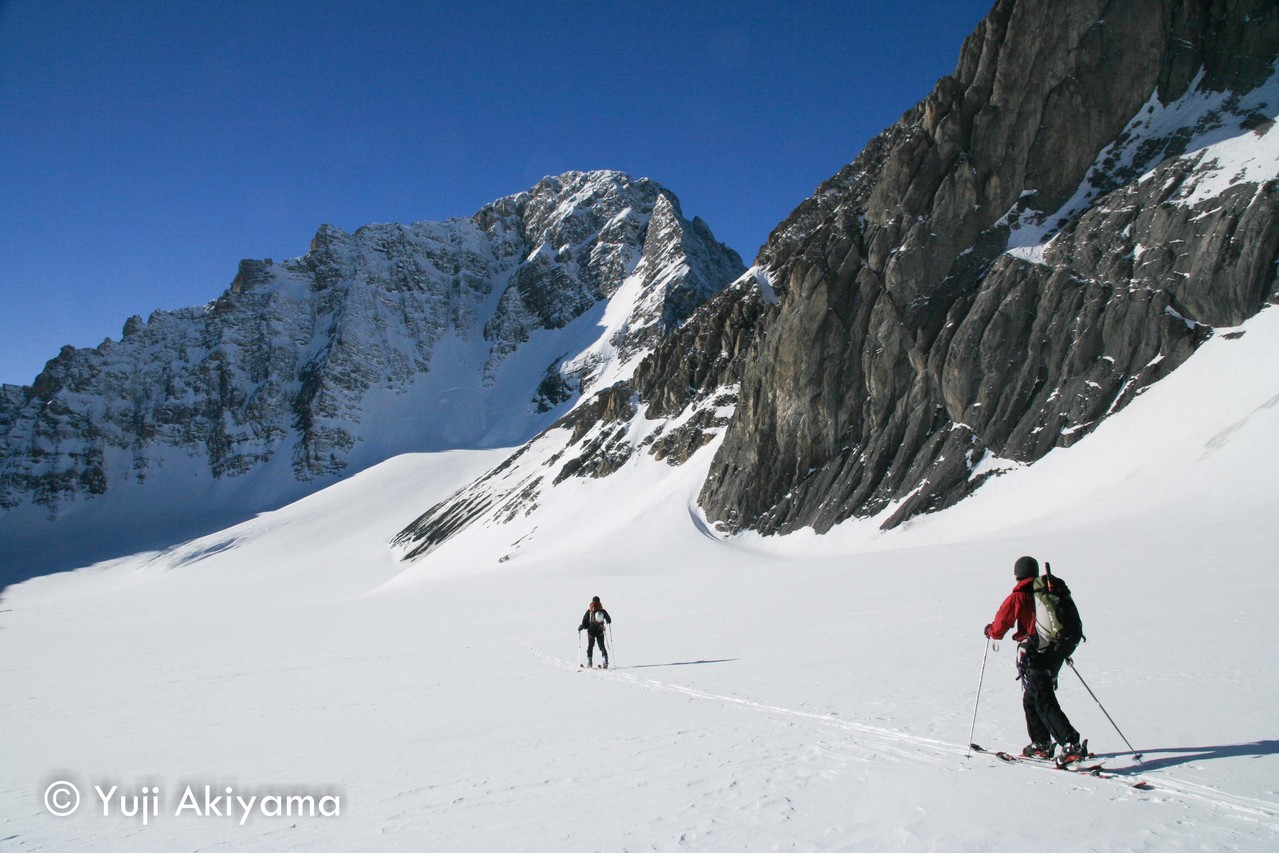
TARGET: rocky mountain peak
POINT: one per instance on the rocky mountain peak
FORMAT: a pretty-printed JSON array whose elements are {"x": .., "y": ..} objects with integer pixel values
[{"x": 465, "y": 333}]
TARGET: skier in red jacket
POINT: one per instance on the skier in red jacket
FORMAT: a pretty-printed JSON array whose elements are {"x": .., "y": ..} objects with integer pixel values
[{"x": 1039, "y": 663}]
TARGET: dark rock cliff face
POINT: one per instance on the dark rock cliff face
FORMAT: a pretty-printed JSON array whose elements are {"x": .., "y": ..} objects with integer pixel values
[{"x": 1026, "y": 250}]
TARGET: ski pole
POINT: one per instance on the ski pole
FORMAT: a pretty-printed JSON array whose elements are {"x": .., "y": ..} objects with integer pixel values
[
  {"x": 612, "y": 644},
  {"x": 579, "y": 649},
  {"x": 1135, "y": 753},
  {"x": 980, "y": 679}
]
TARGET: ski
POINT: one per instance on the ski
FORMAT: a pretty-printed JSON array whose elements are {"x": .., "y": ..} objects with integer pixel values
[
  {"x": 1003, "y": 756},
  {"x": 1034, "y": 759},
  {"x": 1072, "y": 764},
  {"x": 1008, "y": 756},
  {"x": 1096, "y": 769},
  {"x": 1077, "y": 767}
]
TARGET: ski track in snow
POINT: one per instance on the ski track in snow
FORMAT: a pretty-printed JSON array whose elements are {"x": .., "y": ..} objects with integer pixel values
[{"x": 930, "y": 750}]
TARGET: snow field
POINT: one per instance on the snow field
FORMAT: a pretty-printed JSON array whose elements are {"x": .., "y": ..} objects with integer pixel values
[{"x": 772, "y": 694}]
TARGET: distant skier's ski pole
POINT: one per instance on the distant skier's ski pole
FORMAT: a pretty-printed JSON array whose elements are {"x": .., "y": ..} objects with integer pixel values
[
  {"x": 579, "y": 649},
  {"x": 980, "y": 679},
  {"x": 612, "y": 644},
  {"x": 1135, "y": 753}
]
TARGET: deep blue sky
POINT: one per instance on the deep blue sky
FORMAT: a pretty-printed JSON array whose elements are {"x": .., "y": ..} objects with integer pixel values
[{"x": 147, "y": 145}]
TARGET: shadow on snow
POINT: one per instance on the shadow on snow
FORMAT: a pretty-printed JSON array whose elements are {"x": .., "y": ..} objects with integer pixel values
[
  {"x": 677, "y": 663},
  {"x": 1173, "y": 756}
]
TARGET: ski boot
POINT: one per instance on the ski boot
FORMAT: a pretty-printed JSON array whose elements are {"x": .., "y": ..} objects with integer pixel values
[
  {"x": 1072, "y": 752},
  {"x": 1038, "y": 750}
]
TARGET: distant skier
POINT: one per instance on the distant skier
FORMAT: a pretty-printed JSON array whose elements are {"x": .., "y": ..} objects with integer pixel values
[
  {"x": 593, "y": 622},
  {"x": 1048, "y": 629}
]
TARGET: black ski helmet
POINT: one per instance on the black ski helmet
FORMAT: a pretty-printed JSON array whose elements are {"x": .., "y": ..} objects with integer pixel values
[{"x": 1026, "y": 567}]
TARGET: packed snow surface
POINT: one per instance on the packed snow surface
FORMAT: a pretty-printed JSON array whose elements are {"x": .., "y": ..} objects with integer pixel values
[{"x": 797, "y": 693}]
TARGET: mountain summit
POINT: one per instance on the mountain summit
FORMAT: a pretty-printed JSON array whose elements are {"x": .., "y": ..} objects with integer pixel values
[{"x": 468, "y": 333}]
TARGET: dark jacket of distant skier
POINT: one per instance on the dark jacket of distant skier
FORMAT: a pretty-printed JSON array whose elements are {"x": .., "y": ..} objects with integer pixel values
[
  {"x": 1045, "y": 645},
  {"x": 593, "y": 622}
]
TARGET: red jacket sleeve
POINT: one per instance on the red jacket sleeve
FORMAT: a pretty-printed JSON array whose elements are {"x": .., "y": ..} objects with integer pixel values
[{"x": 1016, "y": 610}]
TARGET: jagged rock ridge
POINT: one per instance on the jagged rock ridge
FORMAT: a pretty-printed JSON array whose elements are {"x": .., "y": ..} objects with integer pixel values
[{"x": 464, "y": 333}]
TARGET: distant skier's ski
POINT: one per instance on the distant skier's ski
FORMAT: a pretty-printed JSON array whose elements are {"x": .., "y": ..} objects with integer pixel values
[{"x": 1096, "y": 769}]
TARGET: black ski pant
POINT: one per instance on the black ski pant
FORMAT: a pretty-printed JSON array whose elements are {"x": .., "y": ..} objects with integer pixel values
[
  {"x": 592, "y": 639},
  {"x": 1045, "y": 720}
]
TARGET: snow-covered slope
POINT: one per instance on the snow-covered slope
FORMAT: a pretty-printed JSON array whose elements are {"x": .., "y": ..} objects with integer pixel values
[
  {"x": 790, "y": 693},
  {"x": 615, "y": 434}
]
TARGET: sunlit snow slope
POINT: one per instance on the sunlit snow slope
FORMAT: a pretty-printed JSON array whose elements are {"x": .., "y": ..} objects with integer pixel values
[{"x": 796, "y": 693}]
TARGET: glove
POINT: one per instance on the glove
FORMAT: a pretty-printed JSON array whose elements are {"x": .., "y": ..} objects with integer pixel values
[
  {"x": 986, "y": 630},
  {"x": 579, "y": 629}
]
